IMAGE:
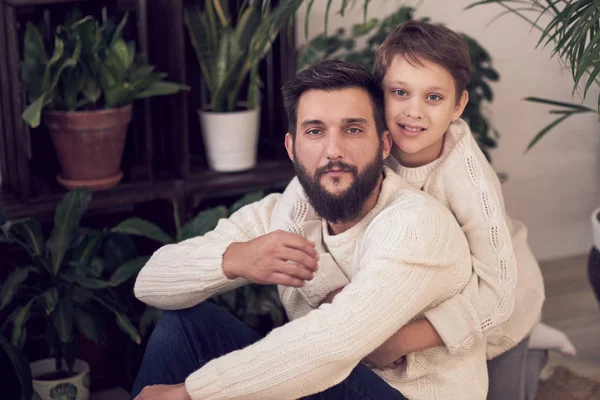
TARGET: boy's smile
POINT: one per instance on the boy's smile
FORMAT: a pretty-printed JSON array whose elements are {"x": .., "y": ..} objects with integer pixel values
[{"x": 420, "y": 104}]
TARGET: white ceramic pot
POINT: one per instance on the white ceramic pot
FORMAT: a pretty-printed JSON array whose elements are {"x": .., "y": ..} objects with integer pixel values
[
  {"x": 230, "y": 139},
  {"x": 74, "y": 388},
  {"x": 596, "y": 228}
]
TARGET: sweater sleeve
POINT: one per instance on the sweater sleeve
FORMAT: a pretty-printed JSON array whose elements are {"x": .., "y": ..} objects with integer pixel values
[
  {"x": 474, "y": 194},
  {"x": 184, "y": 274},
  {"x": 398, "y": 276}
]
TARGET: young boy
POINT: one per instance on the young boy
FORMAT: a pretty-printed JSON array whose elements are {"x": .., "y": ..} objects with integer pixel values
[{"x": 424, "y": 70}]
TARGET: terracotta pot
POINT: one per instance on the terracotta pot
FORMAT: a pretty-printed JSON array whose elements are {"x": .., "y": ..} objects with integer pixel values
[{"x": 89, "y": 145}]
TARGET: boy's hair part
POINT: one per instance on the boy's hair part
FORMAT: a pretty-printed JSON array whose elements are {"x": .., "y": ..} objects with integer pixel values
[
  {"x": 416, "y": 41},
  {"x": 328, "y": 76}
]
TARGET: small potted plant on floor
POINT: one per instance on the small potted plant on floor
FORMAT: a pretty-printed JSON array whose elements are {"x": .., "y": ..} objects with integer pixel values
[
  {"x": 68, "y": 285},
  {"x": 82, "y": 89}
]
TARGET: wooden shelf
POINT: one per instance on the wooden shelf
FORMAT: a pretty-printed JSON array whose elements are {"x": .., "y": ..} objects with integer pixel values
[{"x": 206, "y": 184}]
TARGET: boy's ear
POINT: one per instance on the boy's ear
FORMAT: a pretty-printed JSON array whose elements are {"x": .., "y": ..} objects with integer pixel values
[
  {"x": 289, "y": 145},
  {"x": 460, "y": 105}
]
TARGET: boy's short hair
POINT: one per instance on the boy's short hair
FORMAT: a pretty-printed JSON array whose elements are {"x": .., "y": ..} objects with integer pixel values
[
  {"x": 416, "y": 40},
  {"x": 332, "y": 75}
]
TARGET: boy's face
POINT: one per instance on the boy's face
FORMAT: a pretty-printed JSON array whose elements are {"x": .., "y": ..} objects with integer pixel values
[{"x": 420, "y": 104}]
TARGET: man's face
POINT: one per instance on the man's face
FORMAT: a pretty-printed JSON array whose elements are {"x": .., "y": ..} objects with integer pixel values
[
  {"x": 420, "y": 104},
  {"x": 337, "y": 153}
]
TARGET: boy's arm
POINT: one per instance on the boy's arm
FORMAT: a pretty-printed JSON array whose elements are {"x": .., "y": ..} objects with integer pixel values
[
  {"x": 184, "y": 274},
  {"x": 473, "y": 191}
]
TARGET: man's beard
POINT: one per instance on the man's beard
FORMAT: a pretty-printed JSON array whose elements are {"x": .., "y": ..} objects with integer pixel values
[{"x": 347, "y": 205}]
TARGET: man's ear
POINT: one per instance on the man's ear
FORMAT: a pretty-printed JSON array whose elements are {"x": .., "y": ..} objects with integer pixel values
[
  {"x": 289, "y": 145},
  {"x": 386, "y": 143},
  {"x": 460, "y": 106}
]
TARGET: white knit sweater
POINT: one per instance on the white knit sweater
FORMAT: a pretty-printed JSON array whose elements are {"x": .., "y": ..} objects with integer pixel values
[
  {"x": 505, "y": 270},
  {"x": 406, "y": 256}
]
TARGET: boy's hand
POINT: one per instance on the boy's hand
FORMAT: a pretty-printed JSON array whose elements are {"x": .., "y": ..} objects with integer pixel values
[
  {"x": 164, "y": 392},
  {"x": 279, "y": 257},
  {"x": 329, "y": 298}
]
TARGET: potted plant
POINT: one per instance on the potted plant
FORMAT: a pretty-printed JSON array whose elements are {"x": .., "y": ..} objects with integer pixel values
[
  {"x": 572, "y": 28},
  {"x": 229, "y": 51},
  {"x": 258, "y": 306},
  {"x": 342, "y": 45},
  {"x": 67, "y": 284},
  {"x": 83, "y": 88}
]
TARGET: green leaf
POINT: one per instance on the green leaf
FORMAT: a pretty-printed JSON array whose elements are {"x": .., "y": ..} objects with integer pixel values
[
  {"x": 122, "y": 321},
  {"x": 34, "y": 61},
  {"x": 20, "y": 366},
  {"x": 118, "y": 249},
  {"x": 149, "y": 319},
  {"x": 121, "y": 50},
  {"x": 128, "y": 270},
  {"x": 20, "y": 319},
  {"x": 86, "y": 324},
  {"x": 86, "y": 282},
  {"x": 11, "y": 286},
  {"x": 50, "y": 300},
  {"x": 162, "y": 89},
  {"x": 81, "y": 295},
  {"x": 546, "y": 130},
  {"x": 89, "y": 248},
  {"x": 204, "y": 222},
  {"x": 66, "y": 224},
  {"x": 62, "y": 318},
  {"x": 572, "y": 106},
  {"x": 33, "y": 113},
  {"x": 144, "y": 228},
  {"x": 249, "y": 198},
  {"x": 119, "y": 31}
]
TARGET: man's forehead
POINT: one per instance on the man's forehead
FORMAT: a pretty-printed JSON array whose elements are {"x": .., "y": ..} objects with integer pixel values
[{"x": 349, "y": 105}]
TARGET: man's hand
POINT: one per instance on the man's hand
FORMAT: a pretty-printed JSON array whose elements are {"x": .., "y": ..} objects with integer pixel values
[
  {"x": 264, "y": 260},
  {"x": 164, "y": 392}
]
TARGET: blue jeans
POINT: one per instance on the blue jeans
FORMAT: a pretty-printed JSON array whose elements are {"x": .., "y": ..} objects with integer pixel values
[{"x": 183, "y": 341}]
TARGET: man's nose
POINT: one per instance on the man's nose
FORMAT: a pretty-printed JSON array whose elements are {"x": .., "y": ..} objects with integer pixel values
[{"x": 335, "y": 145}]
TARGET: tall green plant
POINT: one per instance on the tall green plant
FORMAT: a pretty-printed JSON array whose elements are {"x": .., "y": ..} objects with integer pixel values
[
  {"x": 249, "y": 303},
  {"x": 573, "y": 32},
  {"x": 87, "y": 66},
  {"x": 342, "y": 45},
  {"x": 69, "y": 281},
  {"x": 229, "y": 49}
]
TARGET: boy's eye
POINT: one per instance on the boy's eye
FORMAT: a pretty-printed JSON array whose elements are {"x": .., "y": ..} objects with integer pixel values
[
  {"x": 400, "y": 92},
  {"x": 434, "y": 97}
]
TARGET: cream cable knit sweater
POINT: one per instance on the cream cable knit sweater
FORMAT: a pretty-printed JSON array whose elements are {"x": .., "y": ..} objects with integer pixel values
[
  {"x": 406, "y": 256},
  {"x": 506, "y": 272}
]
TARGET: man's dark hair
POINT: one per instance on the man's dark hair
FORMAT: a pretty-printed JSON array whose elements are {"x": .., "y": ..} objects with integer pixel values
[
  {"x": 328, "y": 76},
  {"x": 416, "y": 40}
]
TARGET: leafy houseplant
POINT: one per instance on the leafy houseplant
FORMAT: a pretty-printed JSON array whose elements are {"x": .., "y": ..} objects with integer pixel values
[
  {"x": 83, "y": 84},
  {"x": 258, "y": 306},
  {"x": 342, "y": 45},
  {"x": 70, "y": 283},
  {"x": 229, "y": 50}
]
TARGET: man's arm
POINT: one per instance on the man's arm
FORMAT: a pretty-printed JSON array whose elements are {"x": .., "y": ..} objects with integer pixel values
[
  {"x": 237, "y": 251},
  {"x": 399, "y": 275}
]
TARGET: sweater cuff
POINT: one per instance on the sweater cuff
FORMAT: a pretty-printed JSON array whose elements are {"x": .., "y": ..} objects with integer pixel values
[
  {"x": 457, "y": 323},
  {"x": 329, "y": 277},
  {"x": 204, "y": 384}
]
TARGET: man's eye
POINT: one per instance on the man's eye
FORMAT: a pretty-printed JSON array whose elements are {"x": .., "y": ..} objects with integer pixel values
[
  {"x": 400, "y": 92},
  {"x": 434, "y": 97},
  {"x": 314, "y": 132},
  {"x": 354, "y": 130}
]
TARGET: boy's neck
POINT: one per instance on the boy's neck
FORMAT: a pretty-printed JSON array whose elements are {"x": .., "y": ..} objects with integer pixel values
[{"x": 421, "y": 158}]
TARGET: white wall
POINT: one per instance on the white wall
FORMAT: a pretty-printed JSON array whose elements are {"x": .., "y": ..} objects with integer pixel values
[{"x": 554, "y": 188}]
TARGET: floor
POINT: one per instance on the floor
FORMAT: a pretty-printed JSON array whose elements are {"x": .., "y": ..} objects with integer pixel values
[{"x": 570, "y": 306}]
